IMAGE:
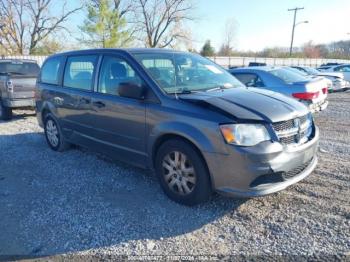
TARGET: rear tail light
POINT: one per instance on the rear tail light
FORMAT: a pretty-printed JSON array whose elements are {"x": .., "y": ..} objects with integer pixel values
[
  {"x": 9, "y": 86},
  {"x": 325, "y": 90},
  {"x": 306, "y": 95}
]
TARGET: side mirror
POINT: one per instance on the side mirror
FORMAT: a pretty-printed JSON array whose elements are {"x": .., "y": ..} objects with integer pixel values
[{"x": 131, "y": 90}]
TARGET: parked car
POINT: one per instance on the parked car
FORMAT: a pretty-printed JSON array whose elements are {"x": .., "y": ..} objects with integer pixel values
[
  {"x": 257, "y": 64},
  {"x": 17, "y": 83},
  {"x": 331, "y": 64},
  {"x": 311, "y": 92},
  {"x": 344, "y": 69},
  {"x": 337, "y": 79},
  {"x": 180, "y": 114}
]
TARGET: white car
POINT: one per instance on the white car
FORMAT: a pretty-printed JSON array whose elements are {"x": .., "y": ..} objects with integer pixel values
[
  {"x": 337, "y": 78},
  {"x": 343, "y": 69}
]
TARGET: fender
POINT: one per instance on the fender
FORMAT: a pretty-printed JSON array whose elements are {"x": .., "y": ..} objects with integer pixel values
[{"x": 189, "y": 132}]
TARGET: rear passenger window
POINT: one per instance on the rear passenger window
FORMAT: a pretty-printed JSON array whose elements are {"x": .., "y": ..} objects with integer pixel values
[
  {"x": 114, "y": 72},
  {"x": 79, "y": 72},
  {"x": 250, "y": 80},
  {"x": 50, "y": 70}
]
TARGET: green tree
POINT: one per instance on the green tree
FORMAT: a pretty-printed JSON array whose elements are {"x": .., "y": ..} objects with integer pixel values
[
  {"x": 48, "y": 47},
  {"x": 207, "y": 49},
  {"x": 105, "y": 26}
]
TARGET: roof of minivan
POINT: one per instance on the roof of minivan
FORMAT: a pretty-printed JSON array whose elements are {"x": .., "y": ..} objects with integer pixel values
[{"x": 126, "y": 50}]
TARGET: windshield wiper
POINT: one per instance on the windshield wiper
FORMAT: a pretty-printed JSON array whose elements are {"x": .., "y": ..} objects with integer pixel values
[
  {"x": 216, "y": 88},
  {"x": 16, "y": 73},
  {"x": 182, "y": 91}
]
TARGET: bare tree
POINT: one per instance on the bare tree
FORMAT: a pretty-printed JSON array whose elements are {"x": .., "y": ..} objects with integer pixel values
[
  {"x": 229, "y": 35},
  {"x": 29, "y": 22},
  {"x": 310, "y": 50},
  {"x": 161, "y": 22}
]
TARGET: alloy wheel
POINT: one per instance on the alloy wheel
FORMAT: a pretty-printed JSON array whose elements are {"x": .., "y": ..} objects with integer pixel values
[
  {"x": 179, "y": 173},
  {"x": 52, "y": 133}
]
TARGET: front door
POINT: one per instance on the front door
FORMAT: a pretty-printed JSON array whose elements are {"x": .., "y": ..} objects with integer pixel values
[{"x": 118, "y": 122}]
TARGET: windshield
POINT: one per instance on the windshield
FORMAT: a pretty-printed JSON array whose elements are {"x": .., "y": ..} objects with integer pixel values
[
  {"x": 288, "y": 76},
  {"x": 297, "y": 71},
  {"x": 311, "y": 70},
  {"x": 20, "y": 68},
  {"x": 185, "y": 72}
]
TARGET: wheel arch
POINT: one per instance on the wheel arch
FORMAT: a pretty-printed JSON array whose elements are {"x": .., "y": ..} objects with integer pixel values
[{"x": 173, "y": 136}]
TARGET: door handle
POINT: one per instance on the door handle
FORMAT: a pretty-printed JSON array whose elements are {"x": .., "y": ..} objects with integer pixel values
[
  {"x": 85, "y": 100},
  {"x": 58, "y": 100},
  {"x": 99, "y": 104}
]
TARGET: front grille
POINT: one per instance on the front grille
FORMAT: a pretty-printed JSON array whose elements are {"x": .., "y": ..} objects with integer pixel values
[
  {"x": 280, "y": 176},
  {"x": 296, "y": 171},
  {"x": 289, "y": 124},
  {"x": 293, "y": 131}
]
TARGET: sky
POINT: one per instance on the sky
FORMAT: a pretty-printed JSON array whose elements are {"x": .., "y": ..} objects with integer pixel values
[{"x": 265, "y": 23}]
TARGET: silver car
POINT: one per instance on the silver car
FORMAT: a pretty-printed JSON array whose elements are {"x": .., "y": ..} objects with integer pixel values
[
  {"x": 344, "y": 69},
  {"x": 336, "y": 78},
  {"x": 309, "y": 91}
]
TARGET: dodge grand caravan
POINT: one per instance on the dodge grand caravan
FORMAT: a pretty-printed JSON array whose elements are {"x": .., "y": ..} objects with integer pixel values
[{"x": 180, "y": 115}]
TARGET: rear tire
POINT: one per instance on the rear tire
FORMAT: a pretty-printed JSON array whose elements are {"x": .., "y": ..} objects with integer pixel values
[
  {"x": 5, "y": 112},
  {"x": 53, "y": 134},
  {"x": 182, "y": 173}
]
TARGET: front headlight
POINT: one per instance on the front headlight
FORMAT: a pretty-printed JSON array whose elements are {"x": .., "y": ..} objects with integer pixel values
[{"x": 244, "y": 134}]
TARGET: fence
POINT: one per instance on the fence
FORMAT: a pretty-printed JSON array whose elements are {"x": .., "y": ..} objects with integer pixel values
[
  {"x": 235, "y": 61},
  {"x": 244, "y": 61}
]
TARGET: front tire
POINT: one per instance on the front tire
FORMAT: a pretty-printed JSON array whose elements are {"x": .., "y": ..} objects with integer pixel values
[
  {"x": 182, "y": 173},
  {"x": 53, "y": 134},
  {"x": 5, "y": 112}
]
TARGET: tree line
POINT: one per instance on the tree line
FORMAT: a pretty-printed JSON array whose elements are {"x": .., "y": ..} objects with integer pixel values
[
  {"x": 42, "y": 26},
  {"x": 334, "y": 50}
]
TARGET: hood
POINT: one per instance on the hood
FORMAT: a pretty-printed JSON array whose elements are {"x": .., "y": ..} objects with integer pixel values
[{"x": 250, "y": 104}]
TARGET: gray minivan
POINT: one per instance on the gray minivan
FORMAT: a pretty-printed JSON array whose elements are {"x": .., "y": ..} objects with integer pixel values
[{"x": 179, "y": 114}]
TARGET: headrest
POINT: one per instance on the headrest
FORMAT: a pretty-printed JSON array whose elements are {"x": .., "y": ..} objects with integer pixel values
[{"x": 118, "y": 70}]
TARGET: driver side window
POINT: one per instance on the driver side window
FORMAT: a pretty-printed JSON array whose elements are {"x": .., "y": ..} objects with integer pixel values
[{"x": 115, "y": 72}]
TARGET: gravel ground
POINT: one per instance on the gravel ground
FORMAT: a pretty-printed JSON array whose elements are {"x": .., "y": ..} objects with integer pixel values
[{"x": 78, "y": 204}]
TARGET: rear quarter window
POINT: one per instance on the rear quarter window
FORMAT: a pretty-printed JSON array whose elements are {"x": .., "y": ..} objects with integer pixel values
[{"x": 50, "y": 71}]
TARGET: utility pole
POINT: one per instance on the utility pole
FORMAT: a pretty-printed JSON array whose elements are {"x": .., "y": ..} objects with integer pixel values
[{"x": 294, "y": 25}]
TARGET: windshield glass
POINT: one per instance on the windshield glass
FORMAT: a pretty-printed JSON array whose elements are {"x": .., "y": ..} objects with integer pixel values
[
  {"x": 185, "y": 72},
  {"x": 311, "y": 70},
  {"x": 288, "y": 76},
  {"x": 20, "y": 68},
  {"x": 297, "y": 71}
]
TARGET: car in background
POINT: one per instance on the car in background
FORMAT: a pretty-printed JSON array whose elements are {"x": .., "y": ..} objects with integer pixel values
[
  {"x": 17, "y": 84},
  {"x": 337, "y": 79},
  {"x": 179, "y": 114},
  {"x": 310, "y": 91},
  {"x": 343, "y": 68},
  {"x": 257, "y": 64},
  {"x": 331, "y": 64}
]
